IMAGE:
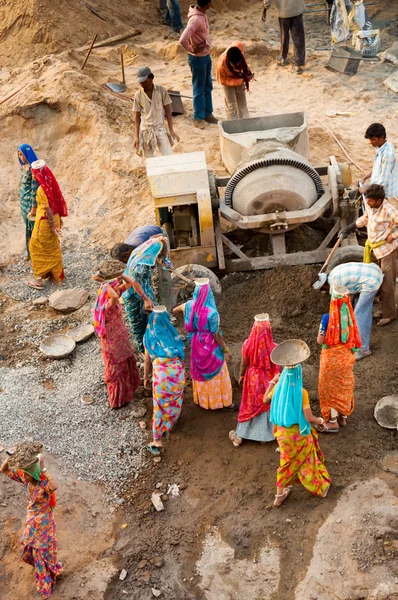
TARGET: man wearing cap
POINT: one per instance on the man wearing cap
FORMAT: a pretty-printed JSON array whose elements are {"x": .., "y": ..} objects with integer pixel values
[
  {"x": 195, "y": 39},
  {"x": 360, "y": 279},
  {"x": 151, "y": 103}
]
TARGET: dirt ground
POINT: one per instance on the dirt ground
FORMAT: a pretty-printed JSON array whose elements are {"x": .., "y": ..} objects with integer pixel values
[{"x": 220, "y": 538}]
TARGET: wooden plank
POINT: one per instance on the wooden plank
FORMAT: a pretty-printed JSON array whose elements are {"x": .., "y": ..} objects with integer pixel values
[
  {"x": 270, "y": 262},
  {"x": 278, "y": 242},
  {"x": 335, "y": 229},
  {"x": 219, "y": 246},
  {"x": 113, "y": 40},
  {"x": 234, "y": 248}
]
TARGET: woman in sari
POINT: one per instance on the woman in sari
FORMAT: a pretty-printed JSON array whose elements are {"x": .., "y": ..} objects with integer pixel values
[
  {"x": 44, "y": 245},
  {"x": 339, "y": 337},
  {"x": 39, "y": 542},
  {"x": 121, "y": 373},
  {"x": 27, "y": 189},
  {"x": 164, "y": 355},
  {"x": 139, "y": 299},
  {"x": 256, "y": 371},
  {"x": 212, "y": 387},
  {"x": 300, "y": 454}
]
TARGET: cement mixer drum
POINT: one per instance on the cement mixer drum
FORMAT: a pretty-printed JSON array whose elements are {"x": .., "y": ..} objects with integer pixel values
[{"x": 274, "y": 188}]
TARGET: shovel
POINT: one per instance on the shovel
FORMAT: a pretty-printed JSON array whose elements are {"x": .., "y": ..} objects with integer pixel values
[
  {"x": 119, "y": 87},
  {"x": 322, "y": 277},
  {"x": 177, "y": 106}
]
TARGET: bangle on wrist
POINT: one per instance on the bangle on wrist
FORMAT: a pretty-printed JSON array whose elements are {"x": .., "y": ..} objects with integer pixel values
[
  {"x": 322, "y": 421},
  {"x": 226, "y": 349}
]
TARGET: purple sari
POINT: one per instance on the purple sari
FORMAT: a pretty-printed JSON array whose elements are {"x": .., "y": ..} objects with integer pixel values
[{"x": 202, "y": 321}]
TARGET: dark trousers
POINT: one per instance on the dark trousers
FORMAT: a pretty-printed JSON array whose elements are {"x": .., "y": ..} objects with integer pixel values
[
  {"x": 293, "y": 26},
  {"x": 202, "y": 86}
]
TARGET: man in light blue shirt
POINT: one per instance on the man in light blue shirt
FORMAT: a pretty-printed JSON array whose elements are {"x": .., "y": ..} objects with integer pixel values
[{"x": 385, "y": 170}]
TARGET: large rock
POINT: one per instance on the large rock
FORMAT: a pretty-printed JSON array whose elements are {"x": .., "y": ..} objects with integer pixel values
[{"x": 68, "y": 301}]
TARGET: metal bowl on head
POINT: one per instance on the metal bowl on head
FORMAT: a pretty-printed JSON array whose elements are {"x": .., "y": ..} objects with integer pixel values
[
  {"x": 290, "y": 353},
  {"x": 81, "y": 333},
  {"x": 57, "y": 346},
  {"x": 386, "y": 412}
]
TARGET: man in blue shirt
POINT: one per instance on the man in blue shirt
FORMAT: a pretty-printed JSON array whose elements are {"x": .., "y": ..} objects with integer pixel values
[{"x": 137, "y": 237}]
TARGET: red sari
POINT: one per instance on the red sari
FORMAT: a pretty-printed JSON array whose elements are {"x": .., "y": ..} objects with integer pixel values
[
  {"x": 260, "y": 370},
  {"x": 121, "y": 373}
]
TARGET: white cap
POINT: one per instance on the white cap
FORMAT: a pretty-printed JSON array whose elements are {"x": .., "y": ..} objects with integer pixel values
[
  {"x": 202, "y": 281},
  {"x": 159, "y": 309},
  {"x": 38, "y": 164},
  {"x": 262, "y": 317}
]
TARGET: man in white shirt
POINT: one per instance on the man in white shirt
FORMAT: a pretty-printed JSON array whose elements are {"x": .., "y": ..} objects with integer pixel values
[
  {"x": 385, "y": 170},
  {"x": 151, "y": 104}
]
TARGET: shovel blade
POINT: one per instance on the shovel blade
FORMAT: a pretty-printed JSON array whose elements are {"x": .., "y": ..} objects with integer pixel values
[{"x": 117, "y": 87}]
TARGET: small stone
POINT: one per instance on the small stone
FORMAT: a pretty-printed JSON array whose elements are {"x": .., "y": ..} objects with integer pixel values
[
  {"x": 41, "y": 301},
  {"x": 157, "y": 459},
  {"x": 164, "y": 497},
  {"x": 138, "y": 411},
  {"x": 157, "y": 593},
  {"x": 142, "y": 425},
  {"x": 158, "y": 485},
  {"x": 156, "y": 501},
  {"x": 123, "y": 575},
  {"x": 157, "y": 561},
  {"x": 174, "y": 542},
  {"x": 183, "y": 486},
  {"x": 145, "y": 577},
  {"x": 338, "y": 521},
  {"x": 288, "y": 520},
  {"x": 143, "y": 563}
]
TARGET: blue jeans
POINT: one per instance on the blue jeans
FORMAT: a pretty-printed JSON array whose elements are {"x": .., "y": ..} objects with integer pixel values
[
  {"x": 170, "y": 11},
  {"x": 202, "y": 85},
  {"x": 363, "y": 315}
]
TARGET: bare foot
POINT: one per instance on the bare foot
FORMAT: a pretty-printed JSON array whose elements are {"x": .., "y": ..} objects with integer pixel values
[{"x": 280, "y": 498}]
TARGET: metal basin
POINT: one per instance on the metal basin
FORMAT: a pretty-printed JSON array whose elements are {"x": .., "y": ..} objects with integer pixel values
[
  {"x": 81, "y": 333},
  {"x": 57, "y": 346},
  {"x": 386, "y": 412}
]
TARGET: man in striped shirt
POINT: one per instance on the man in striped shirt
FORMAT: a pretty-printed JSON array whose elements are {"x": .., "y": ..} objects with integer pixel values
[
  {"x": 365, "y": 280},
  {"x": 385, "y": 169}
]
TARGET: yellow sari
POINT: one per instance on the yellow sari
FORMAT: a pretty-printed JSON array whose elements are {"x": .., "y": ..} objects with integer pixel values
[{"x": 44, "y": 245}]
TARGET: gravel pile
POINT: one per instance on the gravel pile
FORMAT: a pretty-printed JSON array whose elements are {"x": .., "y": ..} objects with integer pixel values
[{"x": 41, "y": 399}]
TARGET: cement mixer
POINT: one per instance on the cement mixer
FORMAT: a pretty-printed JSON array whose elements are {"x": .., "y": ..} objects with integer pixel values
[{"x": 271, "y": 188}]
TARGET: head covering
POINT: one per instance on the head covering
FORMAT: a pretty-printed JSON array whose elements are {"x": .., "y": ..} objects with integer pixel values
[
  {"x": 242, "y": 70},
  {"x": 145, "y": 254},
  {"x": 287, "y": 400},
  {"x": 143, "y": 73},
  {"x": 28, "y": 153},
  {"x": 99, "y": 308},
  {"x": 342, "y": 327},
  {"x": 161, "y": 338},
  {"x": 202, "y": 321},
  {"x": 46, "y": 179},
  {"x": 256, "y": 350},
  {"x": 34, "y": 470}
]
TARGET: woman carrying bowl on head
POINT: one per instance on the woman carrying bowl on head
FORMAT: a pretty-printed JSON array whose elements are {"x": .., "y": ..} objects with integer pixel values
[
  {"x": 27, "y": 190},
  {"x": 300, "y": 455},
  {"x": 44, "y": 245},
  {"x": 39, "y": 541}
]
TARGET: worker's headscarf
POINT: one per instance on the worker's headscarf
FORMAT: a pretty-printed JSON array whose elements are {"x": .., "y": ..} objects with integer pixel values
[
  {"x": 287, "y": 400},
  {"x": 342, "y": 326},
  {"x": 28, "y": 153},
  {"x": 46, "y": 179},
  {"x": 144, "y": 255},
  {"x": 99, "y": 308},
  {"x": 202, "y": 321},
  {"x": 161, "y": 338},
  {"x": 37, "y": 474}
]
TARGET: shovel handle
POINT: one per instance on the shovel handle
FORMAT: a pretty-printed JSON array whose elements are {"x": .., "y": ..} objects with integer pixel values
[
  {"x": 122, "y": 64},
  {"x": 177, "y": 274},
  {"x": 327, "y": 261}
]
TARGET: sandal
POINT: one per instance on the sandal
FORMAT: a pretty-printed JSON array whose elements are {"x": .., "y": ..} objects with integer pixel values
[
  {"x": 235, "y": 439},
  {"x": 230, "y": 407},
  {"x": 324, "y": 429},
  {"x": 284, "y": 495},
  {"x": 154, "y": 450},
  {"x": 35, "y": 285},
  {"x": 384, "y": 322}
]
